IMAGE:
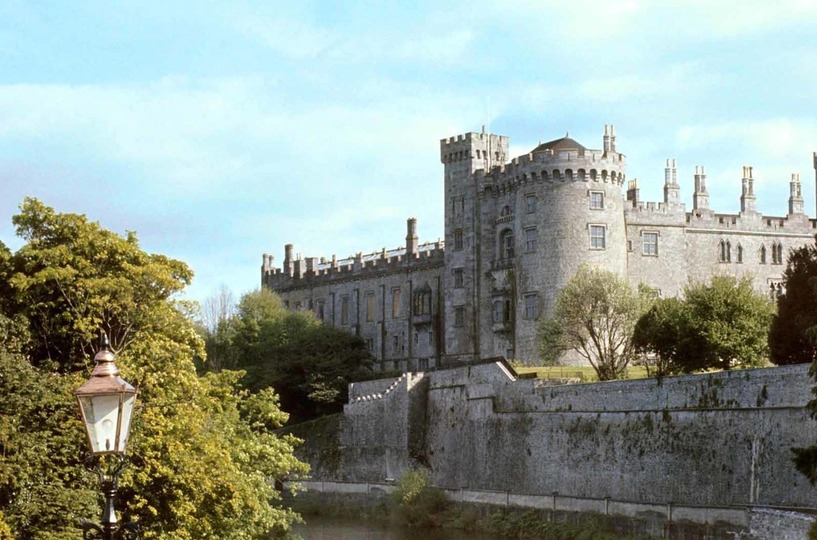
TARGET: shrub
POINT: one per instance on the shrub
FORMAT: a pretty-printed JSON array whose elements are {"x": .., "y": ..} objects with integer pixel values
[{"x": 417, "y": 501}]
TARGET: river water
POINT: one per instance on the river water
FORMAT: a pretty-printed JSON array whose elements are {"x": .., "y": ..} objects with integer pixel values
[{"x": 327, "y": 528}]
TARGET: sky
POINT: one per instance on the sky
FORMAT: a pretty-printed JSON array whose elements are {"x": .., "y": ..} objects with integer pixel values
[{"x": 220, "y": 131}]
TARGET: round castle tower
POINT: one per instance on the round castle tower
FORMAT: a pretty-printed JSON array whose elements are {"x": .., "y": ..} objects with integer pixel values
[{"x": 545, "y": 214}]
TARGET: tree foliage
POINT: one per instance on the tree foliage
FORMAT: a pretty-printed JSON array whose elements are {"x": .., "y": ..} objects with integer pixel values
[
  {"x": 720, "y": 325},
  {"x": 73, "y": 278},
  {"x": 792, "y": 337},
  {"x": 664, "y": 340},
  {"x": 594, "y": 316},
  {"x": 308, "y": 364},
  {"x": 204, "y": 455}
]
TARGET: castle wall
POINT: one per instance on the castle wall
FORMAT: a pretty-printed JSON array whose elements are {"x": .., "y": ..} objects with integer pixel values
[
  {"x": 716, "y": 440},
  {"x": 750, "y": 233},
  {"x": 666, "y": 270}
]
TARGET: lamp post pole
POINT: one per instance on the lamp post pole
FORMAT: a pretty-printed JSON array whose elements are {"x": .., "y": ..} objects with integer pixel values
[{"x": 106, "y": 405}]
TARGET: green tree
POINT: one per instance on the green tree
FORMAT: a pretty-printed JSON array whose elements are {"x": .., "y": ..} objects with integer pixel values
[
  {"x": 594, "y": 316},
  {"x": 204, "y": 461},
  {"x": 43, "y": 489},
  {"x": 722, "y": 325},
  {"x": 73, "y": 278},
  {"x": 664, "y": 338},
  {"x": 309, "y": 365},
  {"x": 5, "y": 530},
  {"x": 796, "y": 310},
  {"x": 732, "y": 322}
]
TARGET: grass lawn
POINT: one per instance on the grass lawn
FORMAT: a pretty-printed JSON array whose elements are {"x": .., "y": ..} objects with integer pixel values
[{"x": 583, "y": 373}]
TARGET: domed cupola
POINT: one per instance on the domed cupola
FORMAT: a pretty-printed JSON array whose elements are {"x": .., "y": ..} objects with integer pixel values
[{"x": 559, "y": 145}]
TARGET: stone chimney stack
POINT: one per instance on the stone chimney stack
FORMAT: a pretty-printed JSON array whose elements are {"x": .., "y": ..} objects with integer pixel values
[
  {"x": 606, "y": 138},
  {"x": 288, "y": 259},
  {"x": 795, "y": 195},
  {"x": 411, "y": 237},
  {"x": 748, "y": 203},
  {"x": 672, "y": 191},
  {"x": 633, "y": 192},
  {"x": 612, "y": 138},
  {"x": 700, "y": 198}
]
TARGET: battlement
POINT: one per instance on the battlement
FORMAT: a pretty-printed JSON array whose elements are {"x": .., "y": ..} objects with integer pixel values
[
  {"x": 576, "y": 165},
  {"x": 314, "y": 270},
  {"x": 486, "y": 148},
  {"x": 650, "y": 207},
  {"x": 795, "y": 224}
]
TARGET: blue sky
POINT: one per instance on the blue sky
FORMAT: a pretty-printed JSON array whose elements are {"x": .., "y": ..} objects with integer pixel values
[{"x": 223, "y": 130}]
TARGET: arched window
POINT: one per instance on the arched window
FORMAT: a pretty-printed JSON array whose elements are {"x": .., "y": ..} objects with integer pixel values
[
  {"x": 762, "y": 254},
  {"x": 740, "y": 254},
  {"x": 506, "y": 211},
  {"x": 506, "y": 244},
  {"x": 777, "y": 253},
  {"x": 725, "y": 254}
]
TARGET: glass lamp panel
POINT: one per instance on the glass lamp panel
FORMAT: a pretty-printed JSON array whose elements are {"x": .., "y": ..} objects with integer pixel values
[
  {"x": 127, "y": 412},
  {"x": 101, "y": 415}
]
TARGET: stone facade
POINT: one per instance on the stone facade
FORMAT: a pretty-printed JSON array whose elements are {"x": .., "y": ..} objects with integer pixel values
[{"x": 515, "y": 232}]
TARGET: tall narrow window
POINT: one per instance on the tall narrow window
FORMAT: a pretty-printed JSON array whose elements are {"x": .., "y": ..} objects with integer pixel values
[
  {"x": 530, "y": 240},
  {"x": 531, "y": 306},
  {"x": 506, "y": 244},
  {"x": 459, "y": 316},
  {"x": 762, "y": 254},
  {"x": 498, "y": 311},
  {"x": 369, "y": 307},
  {"x": 777, "y": 253},
  {"x": 344, "y": 309},
  {"x": 725, "y": 254},
  {"x": 395, "y": 302},
  {"x": 739, "y": 254},
  {"x": 650, "y": 243},
  {"x": 320, "y": 309},
  {"x": 457, "y": 239},
  {"x": 597, "y": 237},
  {"x": 458, "y": 278}
]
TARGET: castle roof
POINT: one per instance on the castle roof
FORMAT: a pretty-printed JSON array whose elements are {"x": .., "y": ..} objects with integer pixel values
[{"x": 557, "y": 145}]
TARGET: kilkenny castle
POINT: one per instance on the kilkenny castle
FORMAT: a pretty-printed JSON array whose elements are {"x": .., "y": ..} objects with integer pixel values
[{"x": 515, "y": 232}]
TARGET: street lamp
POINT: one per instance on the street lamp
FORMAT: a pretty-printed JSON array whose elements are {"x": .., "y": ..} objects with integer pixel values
[{"x": 106, "y": 404}]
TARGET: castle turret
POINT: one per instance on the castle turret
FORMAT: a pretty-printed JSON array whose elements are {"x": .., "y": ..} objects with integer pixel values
[
  {"x": 700, "y": 197},
  {"x": 795, "y": 195},
  {"x": 462, "y": 156},
  {"x": 672, "y": 191},
  {"x": 412, "y": 242},
  {"x": 748, "y": 203}
]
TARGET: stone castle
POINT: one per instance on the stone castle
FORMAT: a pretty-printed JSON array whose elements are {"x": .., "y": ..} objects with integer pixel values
[{"x": 515, "y": 232}]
